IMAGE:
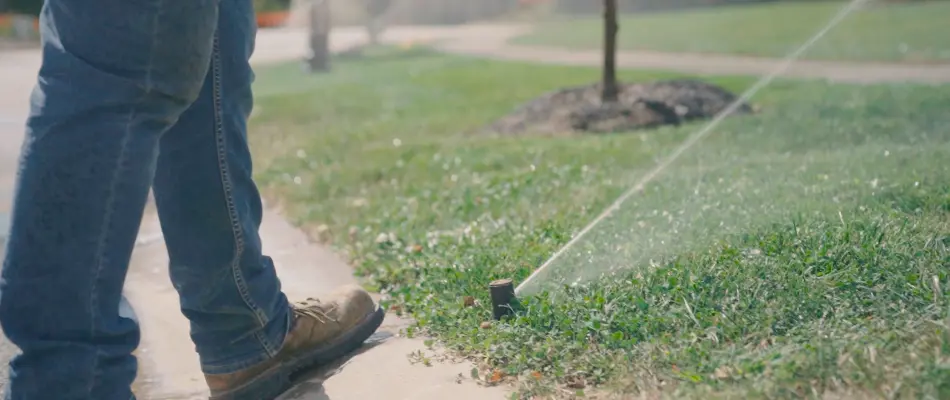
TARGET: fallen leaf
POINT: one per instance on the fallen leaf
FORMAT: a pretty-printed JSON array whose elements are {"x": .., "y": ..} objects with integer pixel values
[
  {"x": 486, "y": 325},
  {"x": 468, "y": 301},
  {"x": 722, "y": 372},
  {"x": 536, "y": 375},
  {"x": 576, "y": 382},
  {"x": 496, "y": 376}
]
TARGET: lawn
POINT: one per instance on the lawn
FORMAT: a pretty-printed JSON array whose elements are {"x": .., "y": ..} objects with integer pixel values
[
  {"x": 798, "y": 252},
  {"x": 912, "y": 32}
]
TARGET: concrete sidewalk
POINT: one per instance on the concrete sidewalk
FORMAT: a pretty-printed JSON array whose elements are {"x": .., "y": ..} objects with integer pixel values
[{"x": 169, "y": 366}]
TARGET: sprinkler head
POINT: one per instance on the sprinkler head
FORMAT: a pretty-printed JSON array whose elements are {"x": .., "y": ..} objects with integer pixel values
[{"x": 502, "y": 297}]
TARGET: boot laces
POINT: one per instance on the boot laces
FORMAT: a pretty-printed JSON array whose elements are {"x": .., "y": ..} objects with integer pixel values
[{"x": 313, "y": 308}]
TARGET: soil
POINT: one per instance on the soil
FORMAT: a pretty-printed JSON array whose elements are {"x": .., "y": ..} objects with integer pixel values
[{"x": 640, "y": 106}]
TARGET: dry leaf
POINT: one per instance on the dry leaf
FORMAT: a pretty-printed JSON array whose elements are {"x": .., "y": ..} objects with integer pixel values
[
  {"x": 536, "y": 375},
  {"x": 576, "y": 382},
  {"x": 468, "y": 301},
  {"x": 722, "y": 372},
  {"x": 496, "y": 376},
  {"x": 486, "y": 325}
]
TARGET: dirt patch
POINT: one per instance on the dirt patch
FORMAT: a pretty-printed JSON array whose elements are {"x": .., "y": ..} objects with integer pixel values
[{"x": 640, "y": 106}]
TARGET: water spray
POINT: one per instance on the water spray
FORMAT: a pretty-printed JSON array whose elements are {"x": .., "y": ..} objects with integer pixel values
[{"x": 697, "y": 136}]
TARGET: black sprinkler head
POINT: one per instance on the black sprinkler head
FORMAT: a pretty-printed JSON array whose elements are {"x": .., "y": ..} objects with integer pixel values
[{"x": 502, "y": 297}]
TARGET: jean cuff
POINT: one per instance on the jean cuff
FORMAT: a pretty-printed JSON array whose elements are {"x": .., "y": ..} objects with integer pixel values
[{"x": 270, "y": 337}]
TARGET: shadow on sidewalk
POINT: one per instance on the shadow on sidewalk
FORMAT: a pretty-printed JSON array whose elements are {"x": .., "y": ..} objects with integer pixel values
[{"x": 309, "y": 384}]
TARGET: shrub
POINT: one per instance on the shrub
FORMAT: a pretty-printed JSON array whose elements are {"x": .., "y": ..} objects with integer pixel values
[{"x": 271, "y": 5}]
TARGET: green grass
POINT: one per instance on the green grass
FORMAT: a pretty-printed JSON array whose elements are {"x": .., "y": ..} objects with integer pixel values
[
  {"x": 912, "y": 32},
  {"x": 798, "y": 252}
]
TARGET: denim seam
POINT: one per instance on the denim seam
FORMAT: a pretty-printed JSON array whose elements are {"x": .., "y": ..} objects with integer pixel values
[
  {"x": 221, "y": 143},
  {"x": 103, "y": 242}
]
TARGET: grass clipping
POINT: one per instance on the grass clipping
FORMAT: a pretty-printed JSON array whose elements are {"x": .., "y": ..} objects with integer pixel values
[{"x": 640, "y": 106}]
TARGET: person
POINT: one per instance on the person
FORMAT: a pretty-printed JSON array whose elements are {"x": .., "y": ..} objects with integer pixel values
[{"x": 134, "y": 94}]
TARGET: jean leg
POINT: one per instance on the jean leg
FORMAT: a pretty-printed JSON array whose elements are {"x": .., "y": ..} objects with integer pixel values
[
  {"x": 116, "y": 74},
  {"x": 210, "y": 211}
]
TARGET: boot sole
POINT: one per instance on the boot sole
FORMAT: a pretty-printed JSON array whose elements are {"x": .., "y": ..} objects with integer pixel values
[{"x": 275, "y": 381}]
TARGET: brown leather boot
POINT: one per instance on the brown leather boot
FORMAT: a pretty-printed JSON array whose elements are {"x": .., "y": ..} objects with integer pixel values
[{"x": 323, "y": 331}]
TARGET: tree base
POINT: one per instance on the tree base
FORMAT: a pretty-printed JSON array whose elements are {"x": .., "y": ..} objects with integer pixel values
[
  {"x": 319, "y": 60},
  {"x": 639, "y": 106}
]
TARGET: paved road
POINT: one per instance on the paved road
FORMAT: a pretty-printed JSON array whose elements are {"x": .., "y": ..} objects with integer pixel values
[{"x": 491, "y": 41}]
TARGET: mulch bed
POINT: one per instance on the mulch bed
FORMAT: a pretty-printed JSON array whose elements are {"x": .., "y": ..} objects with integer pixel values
[{"x": 640, "y": 106}]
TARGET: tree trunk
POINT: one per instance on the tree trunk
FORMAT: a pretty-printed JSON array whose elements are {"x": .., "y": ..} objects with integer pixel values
[
  {"x": 319, "y": 36},
  {"x": 375, "y": 21},
  {"x": 610, "y": 90}
]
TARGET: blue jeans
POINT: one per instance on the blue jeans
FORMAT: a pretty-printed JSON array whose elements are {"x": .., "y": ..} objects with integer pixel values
[{"x": 135, "y": 94}]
